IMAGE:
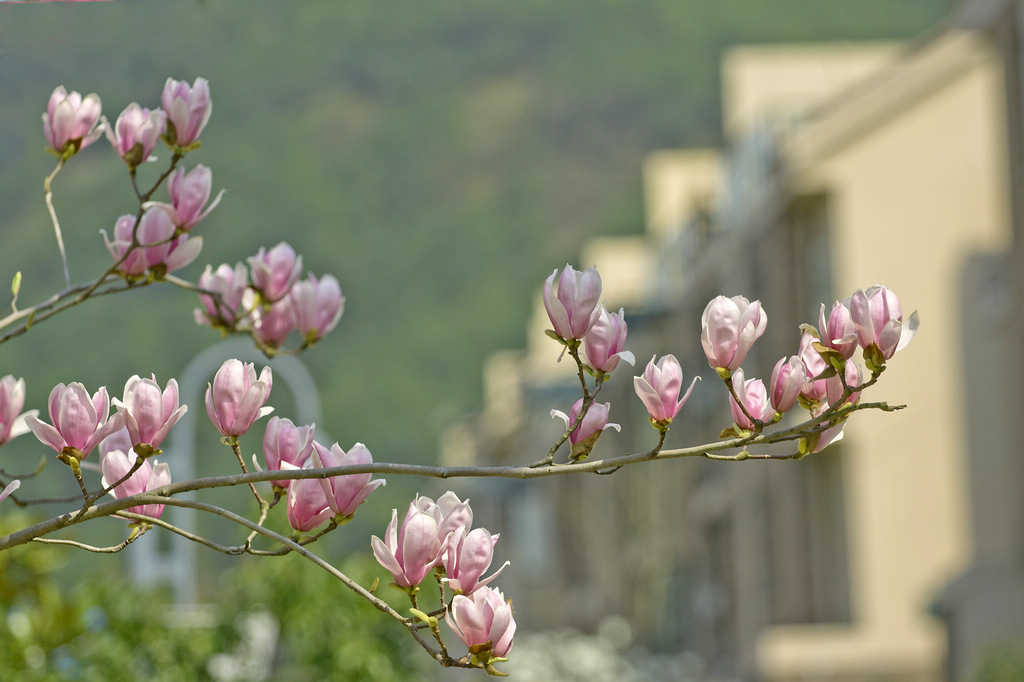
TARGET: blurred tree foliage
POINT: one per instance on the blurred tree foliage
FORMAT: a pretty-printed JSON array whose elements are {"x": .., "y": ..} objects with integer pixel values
[{"x": 99, "y": 629}]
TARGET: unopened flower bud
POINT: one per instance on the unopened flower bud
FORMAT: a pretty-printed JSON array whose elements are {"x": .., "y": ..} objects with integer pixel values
[
  {"x": 604, "y": 344},
  {"x": 573, "y": 309},
  {"x": 729, "y": 327},
  {"x": 188, "y": 109},
  {"x": 659, "y": 388},
  {"x": 236, "y": 397},
  {"x": 71, "y": 122}
]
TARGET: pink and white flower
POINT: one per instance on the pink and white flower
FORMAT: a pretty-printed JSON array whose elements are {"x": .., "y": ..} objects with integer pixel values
[
  {"x": 573, "y": 309},
  {"x": 136, "y": 133},
  {"x": 659, "y": 388},
  {"x": 483, "y": 621},
  {"x": 729, "y": 327},
  {"x": 80, "y": 421},
  {"x": 236, "y": 398},
  {"x": 72, "y": 122},
  {"x": 345, "y": 493},
  {"x": 188, "y": 109},
  {"x": 116, "y": 464}
]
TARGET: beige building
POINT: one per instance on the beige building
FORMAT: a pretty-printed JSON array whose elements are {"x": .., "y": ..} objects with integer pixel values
[{"x": 896, "y": 555}]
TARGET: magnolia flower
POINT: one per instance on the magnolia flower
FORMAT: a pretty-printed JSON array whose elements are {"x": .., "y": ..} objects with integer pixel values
[
  {"x": 12, "y": 400},
  {"x": 275, "y": 271},
  {"x": 189, "y": 194},
  {"x": 136, "y": 132},
  {"x": 585, "y": 436},
  {"x": 838, "y": 331},
  {"x": 72, "y": 122},
  {"x": 116, "y": 464},
  {"x": 345, "y": 493},
  {"x": 284, "y": 443},
  {"x": 814, "y": 389},
  {"x": 573, "y": 308},
  {"x": 729, "y": 327},
  {"x": 236, "y": 397},
  {"x": 754, "y": 397},
  {"x": 878, "y": 319},
  {"x": 188, "y": 109},
  {"x": 80, "y": 421},
  {"x": 834, "y": 388},
  {"x": 156, "y": 248},
  {"x": 467, "y": 557},
  {"x": 659, "y": 388},
  {"x": 604, "y": 343},
  {"x": 148, "y": 412},
  {"x": 230, "y": 283},
  {"x": 483, "y": 621},
  {"x": 411, "y": 551},
  {"x": 272, "y": 323},
  {"x": 788, "y": 379},
  {"x": 307, "y": 503},
  {"x": 317, "y": 306}
]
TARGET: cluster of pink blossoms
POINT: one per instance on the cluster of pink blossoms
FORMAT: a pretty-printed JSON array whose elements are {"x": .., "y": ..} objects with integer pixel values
[
  {"x": 821, "y": 375},
  {"x": 159, "y": 241},
  {"x": 818, "y": 376},
  {"x": 439, "y": 537},
  {"x": 269, "y": 299},
  {"x": 578, "y": 318}
]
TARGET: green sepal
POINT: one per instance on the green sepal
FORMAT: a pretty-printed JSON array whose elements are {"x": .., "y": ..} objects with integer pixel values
[
  {"x": 724, "y": 372},
  {"x": 145, "y": 450}
]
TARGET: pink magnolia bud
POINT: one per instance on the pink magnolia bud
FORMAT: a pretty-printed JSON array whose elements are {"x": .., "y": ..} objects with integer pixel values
[
  {"x": 80, "y": 422},
  {"x": 271, "y": 325},
  {"x": 411, "y": 551},
  {"x": 71, "y": 122},
  {"x": 878, "y": 319},
  {"x": 275, "y": 271},
  {"x": 788, "y": 379},
  {"x": 189, "y": 194},
  {"x": 307, "y": 504},
  {"x": 286, "y": 443},
  {"x": 230, "y": 283},
  {"x": 467, "y": 557},
  {"x": 834, "y": 386},
  {"x": 148, "y": 412},
  {"x": 456, "y": 516},
  {"x": 482, "y": 618},
  {"x": 595, "y": 421},
  {"x": 659, "y": 388},
  {"x": 188, "y": 109},
  {"x": 831, "y": 434},
  {"x": 317, "y": 306},
  {"x": 729, "y": 327},
  {"x": 604, "y": 343},
  {"x": 573, "y": 309},
  {"x": 236, "y": 397},
  {"x": 116, "y": 464},
  {"x": 12, "y": 400},
  {"x": 754, "y": 397},
  {"x": 11, "y": 487},
  {"x": 814, "y": 389},
  {"x": 345, "y": 493},
  {"x": 157, "y": 248},
  {"x": 838, "y": 332},
  {"x": 136, "y": 133}
]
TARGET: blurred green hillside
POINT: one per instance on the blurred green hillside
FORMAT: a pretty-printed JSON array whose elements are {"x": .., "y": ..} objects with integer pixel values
[{"x": 440, "y": 158}]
